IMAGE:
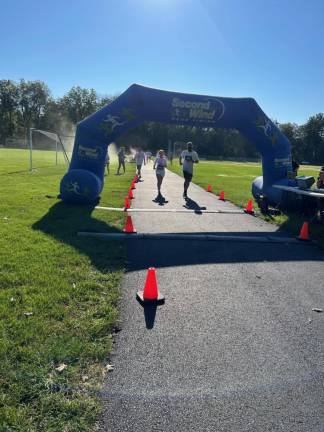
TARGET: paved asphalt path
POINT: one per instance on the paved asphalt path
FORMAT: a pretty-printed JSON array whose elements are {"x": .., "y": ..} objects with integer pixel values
[{"x": 236, "y": 347}]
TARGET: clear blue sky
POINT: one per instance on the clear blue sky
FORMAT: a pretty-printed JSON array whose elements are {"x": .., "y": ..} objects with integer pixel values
[{"x": 270, "y": 50}]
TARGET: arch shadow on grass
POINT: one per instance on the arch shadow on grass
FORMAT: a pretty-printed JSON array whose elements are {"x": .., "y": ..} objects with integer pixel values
[{"x": 63, "y": 221}]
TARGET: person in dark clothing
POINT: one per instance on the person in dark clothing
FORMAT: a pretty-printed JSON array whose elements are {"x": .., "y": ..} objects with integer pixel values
[
  {"x": 320, "y": 179},
  {"x": 121, "y": 160},
  {"x": 295, "y": 167}
]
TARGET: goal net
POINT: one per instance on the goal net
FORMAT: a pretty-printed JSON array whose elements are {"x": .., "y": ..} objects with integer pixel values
[
  {"x": 48, "y": 148},
  {"x": 178, "y": 146}
]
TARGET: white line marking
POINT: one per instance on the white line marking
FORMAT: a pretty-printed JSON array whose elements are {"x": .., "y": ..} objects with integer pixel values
[{"x": 168, "y": 210}]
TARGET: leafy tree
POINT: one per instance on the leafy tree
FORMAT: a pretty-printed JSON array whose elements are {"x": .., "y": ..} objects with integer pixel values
[
  {"x": 293, "y": 133},
  {"x": 56, "y": 120},
  {"x": 105, "y": 100},
  {"x": 8, "y": 106},
  {"x": 313, "y": 138},
  {"x": 79, "y": 103},
  {"x": 32, "y": 102}
]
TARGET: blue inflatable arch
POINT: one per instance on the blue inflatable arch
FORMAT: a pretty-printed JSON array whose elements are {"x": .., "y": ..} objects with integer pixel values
[{"x": 84, "y": 180}]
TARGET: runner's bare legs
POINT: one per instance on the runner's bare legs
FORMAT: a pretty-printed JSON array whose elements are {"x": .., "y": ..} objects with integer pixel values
[
  {"x": 159, "y": 184},
  {"x": 185, "y": 187}
]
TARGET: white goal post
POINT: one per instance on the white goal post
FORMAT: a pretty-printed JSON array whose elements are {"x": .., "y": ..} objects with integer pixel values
[
  {"x": 57, "y": 147},
  {"x": 178, "y": 146}
]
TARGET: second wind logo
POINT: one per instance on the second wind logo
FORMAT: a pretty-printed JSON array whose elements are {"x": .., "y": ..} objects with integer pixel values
[{"x": 205, "y": 111}]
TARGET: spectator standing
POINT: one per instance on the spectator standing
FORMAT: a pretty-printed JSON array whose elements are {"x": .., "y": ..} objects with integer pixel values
[{"x": 121, "y": 160}]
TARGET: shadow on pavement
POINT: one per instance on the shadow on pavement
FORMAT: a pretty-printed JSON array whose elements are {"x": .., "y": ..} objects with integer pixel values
[
  {"x": 143, "y": 254},
  {"x": 160, "y": 200},
  {"x": 193, "y": 205},
  {"x": 149, "y": 315}
]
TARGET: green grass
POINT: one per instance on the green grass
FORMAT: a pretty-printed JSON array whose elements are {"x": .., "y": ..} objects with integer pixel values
[
  {"x": 59, "y": 292},
  {"x": 235, "y": 179},
  {"x": 58, "y": 297}
]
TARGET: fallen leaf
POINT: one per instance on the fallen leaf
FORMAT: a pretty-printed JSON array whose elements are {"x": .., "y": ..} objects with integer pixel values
[
  {"x": 61, "y": 367},
  {"x": 109, "y": 367}
]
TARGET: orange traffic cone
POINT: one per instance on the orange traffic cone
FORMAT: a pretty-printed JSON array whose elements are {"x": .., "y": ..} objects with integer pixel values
[
  {"x": 150, "y": 292},
  {"x": 129, "y": 227},
  {"x": 209, "y": 188},
  {"x": 133, "y": 184},
  {"x": 150, "y": 289},
  {"x": 222, "y": 195},
  {"x": 249, "y": 207},
  {"x": 130, "y": 194},
  {"x": 304, "y": 234},
  {"x": 135, "y": 178},
  {"x": 127, "y": 204}
]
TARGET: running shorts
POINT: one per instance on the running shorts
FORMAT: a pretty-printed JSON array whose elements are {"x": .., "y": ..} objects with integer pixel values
[
  {"x": 160, "y": 172},
  {"x": 187, "y": 175}
]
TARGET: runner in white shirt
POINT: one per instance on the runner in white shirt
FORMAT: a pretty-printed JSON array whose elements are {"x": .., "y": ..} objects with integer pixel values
[
  {"x": 160, "y": 164},
  {"x": 187, "y": 159},
  {"x": 139, "y": 159}
]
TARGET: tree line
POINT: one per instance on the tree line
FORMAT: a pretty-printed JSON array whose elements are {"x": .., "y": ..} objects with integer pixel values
[
  {"x": 26, "y": 104},
  {"x": 29, "y": 104}
]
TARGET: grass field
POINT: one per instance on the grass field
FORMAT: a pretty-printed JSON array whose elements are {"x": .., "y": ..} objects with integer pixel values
[
  {"x": 59, "y": 292},
  {"x": 58, "y": 297},
  {"x": 235, "y": 179}
]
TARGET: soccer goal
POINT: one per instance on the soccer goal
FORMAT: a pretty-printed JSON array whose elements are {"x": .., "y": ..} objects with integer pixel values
[
  {"x": 178, "y": 146},
  {"x": 48, "y": 148}
]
